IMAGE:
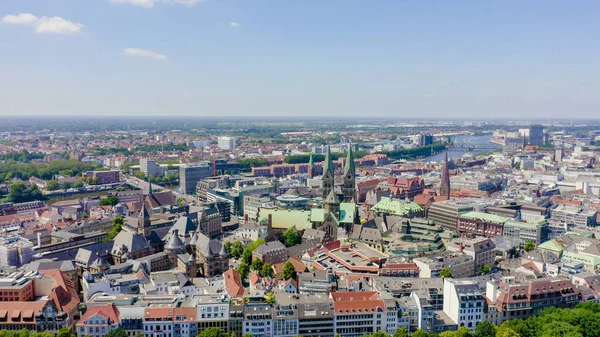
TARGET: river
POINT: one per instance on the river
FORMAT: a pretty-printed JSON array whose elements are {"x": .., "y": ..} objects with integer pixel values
[{"x": 473, "y": 141}]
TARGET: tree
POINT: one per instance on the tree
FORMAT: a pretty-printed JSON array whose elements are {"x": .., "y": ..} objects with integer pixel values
[
  {"x": 244, "y": 270},
  {"x": 379, "y": 333},
  {"x": 213, "y": 332},
  {"x": 485, "y": 269},
  {"x": 257, "y": 265},
  {"x": 506, "y": 332},
  {"x": 446, "y": 273},
  {"x": 118, "y": 332},
  {"x": 116, "y": 229},
  {"x": 64, "y": 332},
  {"x": 111, "y": 200},
  {"x": 84, "y": 215},
  {"x": 291, "y": 238},
  {"x": 52, "y": 185},
  {"x": 463, "y": 331},
  {"x": 420, "y": 333},
  {"x": 78, "y": 184},
  {"x": 247, "y": 255},
  {"x": 529, "y": 246},
  {"x": 66, "y": 185},
  {"x": 228, "y": 246},
  {"x": 289, "y": 271},
  {"x": 485, "y": 329},
  {"x": 401, "y": 332},
  {"x": 236, "y": 249},
  {"x": 266, "y": 270}
]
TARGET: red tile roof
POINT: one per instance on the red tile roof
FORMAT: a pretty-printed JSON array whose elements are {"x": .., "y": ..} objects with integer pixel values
[
  {"x": 233, "y": 283},
  {"x": 109, "y": 312}
]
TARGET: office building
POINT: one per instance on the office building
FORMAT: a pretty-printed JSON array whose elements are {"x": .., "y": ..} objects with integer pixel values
[
  {"x": 226, "y": 143},
  {"x": 15, "y": 250},
  {"x": 190, "y": 175},
  {"x": 446, "y": 213},
  {"x": 149, "y": 167},
  {"x": 536, "y": 134}
]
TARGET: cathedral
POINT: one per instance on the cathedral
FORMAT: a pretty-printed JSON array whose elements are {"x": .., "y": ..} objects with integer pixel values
[{"x": 331, "y": 200}]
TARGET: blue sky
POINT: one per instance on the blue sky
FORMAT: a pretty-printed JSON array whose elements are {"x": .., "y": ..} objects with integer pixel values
[{"x": 517, "y": 59}]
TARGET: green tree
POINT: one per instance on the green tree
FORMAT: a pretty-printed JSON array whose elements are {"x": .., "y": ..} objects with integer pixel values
[
  {"x": 78, "y": 184},
  {"x": 247, "y": 255},
  {"x": 486, "y": 269},
  {"x": 52, "y": 185},
  {"x": 420, "y": 333},
  {"x": 236, "y": 249},
  {"x": 463, "y": 331},
  {"x": 118, "y": 332},
  {"x": 291, "y": 238},
  {"x": 289, "y": 271},
  {"x": 446, "y": 273},
  {"x": 213, "y": 332},
  {"x": 64, "y": 332},
  {"x": 110, "y": 200},
  {"x": 65, "y": 185},
  {"x": 23, "y": 333},
  {"x": 529, "y": 246},
  {"x": 266, "y": 270},
  {"x": 257, "y": 265},
  {"x": 401, "y": 332},
  {"x": 84, "y": 215},
  {"x": 228, "y": 246},
  {"x": 244, "y": 270},
  {"x": 506, "y": 332},
  {"x": 485, "y": 329},
  {"x": 116, "y": 229}
]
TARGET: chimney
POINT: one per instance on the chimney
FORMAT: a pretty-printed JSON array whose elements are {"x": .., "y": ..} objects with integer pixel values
[
  {"x": 39, "y": 239},
  {"x": 245, "y": 217},
  {"x": 460, "y": 247}
]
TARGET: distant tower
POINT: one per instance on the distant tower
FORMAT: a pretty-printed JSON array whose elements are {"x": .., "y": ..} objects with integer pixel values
[
  {"x": 328, "y": 179},
  {"x": 445, "y": 184},
  {"x": 349, "y": 187},
  {"x": 311, "y": 167},
  {"x": 143, "y": 221},
  {"x": 524, "y": 142}
]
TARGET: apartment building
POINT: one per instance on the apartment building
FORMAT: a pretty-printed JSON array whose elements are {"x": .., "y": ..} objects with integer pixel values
[
  {"x": 271, "y": 252},
  {"x": 481, "y": 249},
  {"x": 358, "y": 313},
  {"x": 98, "y": 320},
  {"x": 463, "y": 302},
  {"x": 460, "y": 264}
]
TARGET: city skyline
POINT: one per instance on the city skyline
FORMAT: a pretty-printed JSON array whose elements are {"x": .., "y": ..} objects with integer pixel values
[{"x": 337, "y": 59}]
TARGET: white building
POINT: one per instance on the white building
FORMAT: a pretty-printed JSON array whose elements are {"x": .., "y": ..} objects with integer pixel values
[
  {"x": 463, "y": 302},
  {"x": 226, "y": 142}
]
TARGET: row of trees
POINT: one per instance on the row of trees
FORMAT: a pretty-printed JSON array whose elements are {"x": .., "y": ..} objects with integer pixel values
[
  {"x": 26, "y": 333},
  {"x": 19, "y": 192},
  {"x": 415, "y": 152},
  {"x": 305, "y": 158},
  {"x": 21, "y": 157},
  {"x": 44, "y": 171}
]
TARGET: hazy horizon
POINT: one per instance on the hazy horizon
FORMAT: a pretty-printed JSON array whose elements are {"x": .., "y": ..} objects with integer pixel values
[{"x": 532, "y": 60}]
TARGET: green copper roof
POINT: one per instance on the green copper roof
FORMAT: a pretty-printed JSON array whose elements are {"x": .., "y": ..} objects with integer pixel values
[
  {"x": 583, "y": 257},
  {"x": 347, "y": 211},
  {"x": 484, "y": 216},
  {"x": 311, "y": 162},
  {"x": 283, "y": 218},
  {"x": 396, "y": 207},
  {"x": 349, "y": 167},
  {"x": 328, "y": 165},
  {"x": 552, "y": 245},
  {"x": 527, "y": 225}
]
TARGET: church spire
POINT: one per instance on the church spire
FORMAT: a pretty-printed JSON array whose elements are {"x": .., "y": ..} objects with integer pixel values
[
  {"x": 328, "y": 179},
  {"x": 349, "y": 167},
  {"x": 311, "y": 167},
  {"x": 349, "y": 187},
  {"x": 328, "y": 165},
  {"x": 445, "y": 184}
]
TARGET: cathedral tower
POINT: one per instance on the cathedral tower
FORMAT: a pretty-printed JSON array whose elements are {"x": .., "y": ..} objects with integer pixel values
[{"x": 349, "y": 187}]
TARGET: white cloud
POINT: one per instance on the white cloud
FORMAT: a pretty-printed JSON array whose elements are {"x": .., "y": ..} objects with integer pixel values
[
  {"x": 141, "y": 3},
  {"x": 143, "y": 53},
  {"x": 150, "y": 3},
  {"x": 44, "y": 24},
  {"x": 19, "y": 19},
  {"x": 234, "y": 24},
  {"x": 186, "y": 2}
]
